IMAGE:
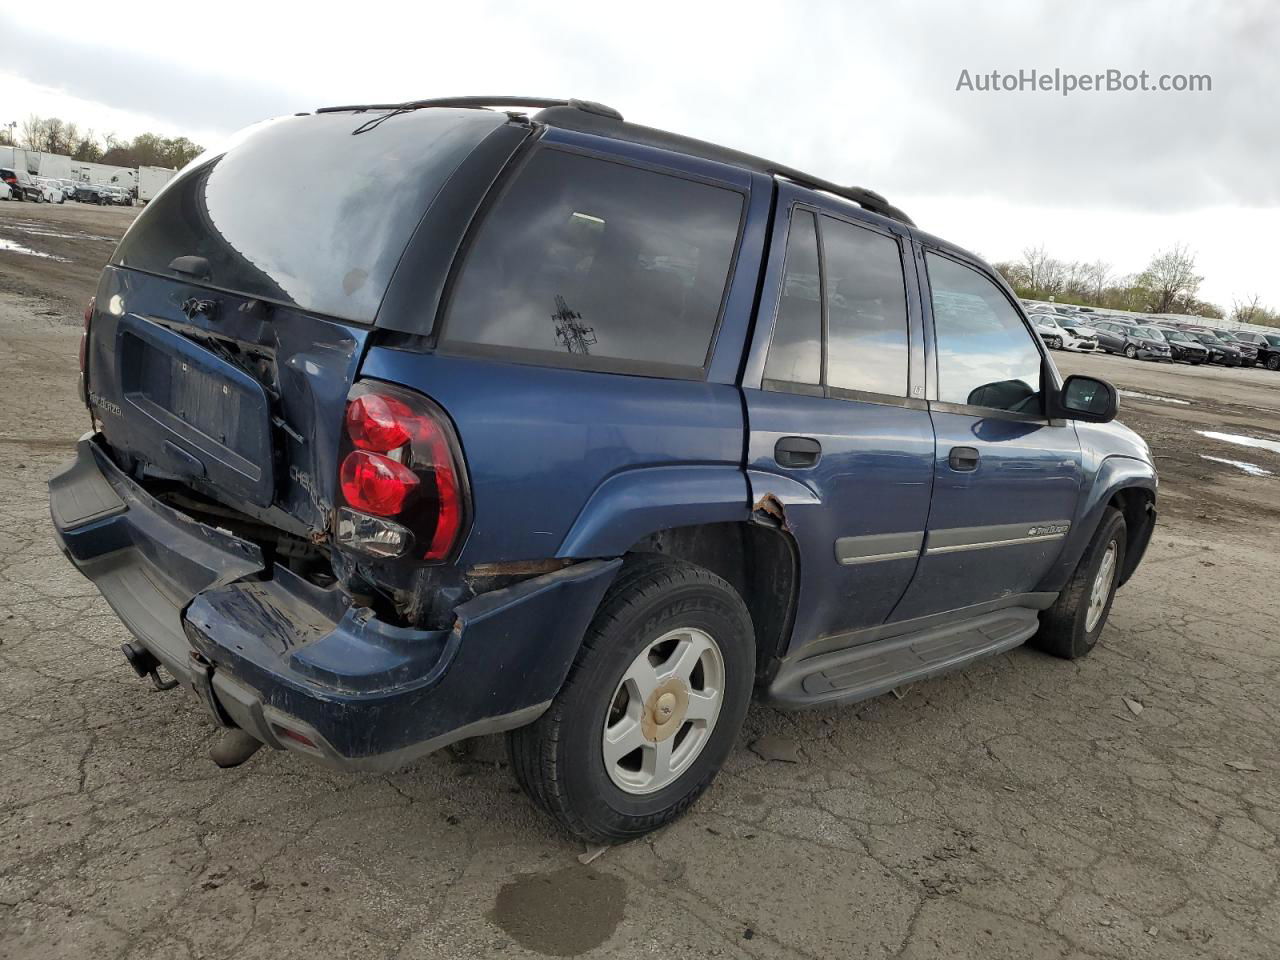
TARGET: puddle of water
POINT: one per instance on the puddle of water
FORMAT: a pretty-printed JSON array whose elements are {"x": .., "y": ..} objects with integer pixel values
[
  {"x": 560, "y": 914},
  {"x": 1252, "y": 469},
  {"x": 14, "y": 247},
  {"x": 46, "y": 232},
  {"x": 1151, "y": 396},
  {"x": 1259, "y": 443}
]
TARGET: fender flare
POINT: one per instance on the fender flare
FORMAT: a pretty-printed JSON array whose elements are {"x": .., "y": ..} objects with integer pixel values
[
  {"x": 630, "y": 505},
  {"x": 1114, "y": 473}
]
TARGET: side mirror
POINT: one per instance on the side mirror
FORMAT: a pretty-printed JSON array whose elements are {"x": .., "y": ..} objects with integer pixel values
[{"x": 1088, "y": 399}]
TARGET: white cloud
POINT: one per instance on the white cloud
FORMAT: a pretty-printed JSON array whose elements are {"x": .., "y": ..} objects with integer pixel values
[{"x": 857, "y": 92}]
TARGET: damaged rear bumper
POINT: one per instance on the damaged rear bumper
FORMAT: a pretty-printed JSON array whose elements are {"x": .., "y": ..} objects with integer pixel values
[{"x": 299, "y": 666}]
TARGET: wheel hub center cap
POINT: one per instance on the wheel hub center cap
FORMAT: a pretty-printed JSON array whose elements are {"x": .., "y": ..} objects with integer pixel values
[{"x": 665, "y": 710}]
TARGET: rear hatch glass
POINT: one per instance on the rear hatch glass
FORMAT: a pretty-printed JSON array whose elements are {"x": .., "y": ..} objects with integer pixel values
[{"x": 301, "y": 211}]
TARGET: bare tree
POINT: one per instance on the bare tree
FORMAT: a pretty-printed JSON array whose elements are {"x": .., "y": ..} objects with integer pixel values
[
  {"x": 1243, "y": 311},
  {"x": 1034, "y": 260},
  {"x": 1170, "y": 277},
  {"x": 1096, "y": 276},
  {"x": 32, "y": 136},
  {"x": 1053, "y": 276}
]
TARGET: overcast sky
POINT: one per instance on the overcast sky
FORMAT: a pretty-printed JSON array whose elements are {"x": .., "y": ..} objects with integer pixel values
[{"x": 856, "y": 92}]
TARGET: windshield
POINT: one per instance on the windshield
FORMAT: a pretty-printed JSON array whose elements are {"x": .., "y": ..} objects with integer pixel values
[
  {"x": 1151, "y": 333},
  {"x": 300, "y": 211},
  {"x": 1177, "y": 335}
]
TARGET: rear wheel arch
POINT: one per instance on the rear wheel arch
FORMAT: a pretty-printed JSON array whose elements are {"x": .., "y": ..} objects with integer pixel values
[{"x": 760, "y": 561}]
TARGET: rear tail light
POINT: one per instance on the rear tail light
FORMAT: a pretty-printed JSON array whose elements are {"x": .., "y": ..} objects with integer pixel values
[
  {"x": 376, "y": 484},
  {"x": 402, "y": 481}
]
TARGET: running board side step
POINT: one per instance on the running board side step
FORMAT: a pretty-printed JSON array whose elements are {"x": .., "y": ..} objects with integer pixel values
[{"x": 874, "y": 668}]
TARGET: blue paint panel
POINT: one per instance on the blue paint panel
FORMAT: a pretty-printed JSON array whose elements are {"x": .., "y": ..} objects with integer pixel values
[
  {"x": 873, "y": 478},
  {"x": 539, "y": 441},
  {"x": 1028, "y": 472},
  {"x": 630, "y": 505}
]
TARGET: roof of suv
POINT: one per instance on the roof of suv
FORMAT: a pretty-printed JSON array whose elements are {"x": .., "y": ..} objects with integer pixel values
[{"x": 586, "y": 116}]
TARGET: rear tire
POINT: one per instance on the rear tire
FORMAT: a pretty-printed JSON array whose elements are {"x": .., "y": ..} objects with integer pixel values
[
  {"x": 1071, "y": 627},
  {"x": 659, "y": 615},
  {"x": 1273, "y": 362}
]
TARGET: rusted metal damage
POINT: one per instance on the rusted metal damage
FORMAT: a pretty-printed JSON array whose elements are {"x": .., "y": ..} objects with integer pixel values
[
  {"x": 770, "y": 506},
  {"x": 518, "y": 568}
]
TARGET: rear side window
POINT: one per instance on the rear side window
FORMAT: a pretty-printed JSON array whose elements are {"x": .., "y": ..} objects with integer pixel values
[
  {"x": 866, "y": 310},
  {"x": 795, "y": 355},
  {"x": 986, "y": 356},
  {"x": 302, "y": 211},
  {"x": 599, "y": 265}
]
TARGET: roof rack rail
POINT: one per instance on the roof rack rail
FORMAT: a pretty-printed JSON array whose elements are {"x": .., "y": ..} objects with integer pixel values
[
  {"x": 584, "y": 121},
  {"x": 475, "y": 103},
  {"x": 867, "y": 199}
]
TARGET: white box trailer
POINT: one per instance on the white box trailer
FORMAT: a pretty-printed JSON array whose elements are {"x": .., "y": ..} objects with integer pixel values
[
  {"x": 14, "y": 158},
  {"x": 151, "y": 179},
  {"x": 56, "y": 166}
]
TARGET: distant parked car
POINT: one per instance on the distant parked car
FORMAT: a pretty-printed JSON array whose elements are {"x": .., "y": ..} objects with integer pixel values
[
  {"x": 1268, "y": 346},
  {"x": 5, "y": 192},
  {"x": 1184, "y": 346},
  {"x": 1249, "y": 349},
  {"x": 1223, "y": 351},
  {"x": 50, "y": 190},
  {"x": 1062, "y": 333},
  {"x": 1135, "y": 342},
  {"x": 118, "y": 196},
  {"x": 92, "y": 193},
  {"x": 21, "y": 186},
  {"x": 1272, "y": 358}
]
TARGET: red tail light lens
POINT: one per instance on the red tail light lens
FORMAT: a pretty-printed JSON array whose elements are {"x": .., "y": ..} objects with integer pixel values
[
  {"x": 379, "y": 423},
  {"x": 403, "y": 461},
  {"x": 376, "y": 484}
]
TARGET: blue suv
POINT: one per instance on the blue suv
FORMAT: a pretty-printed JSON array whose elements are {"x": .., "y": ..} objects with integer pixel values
[{"x": 413, "y": 422}]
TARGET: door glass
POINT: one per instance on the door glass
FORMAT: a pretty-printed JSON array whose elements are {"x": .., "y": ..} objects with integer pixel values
[
  {"x": 866, "y": 310},
  {"x": 986, "y": 356},
  {"x": 795, "y": 355}
]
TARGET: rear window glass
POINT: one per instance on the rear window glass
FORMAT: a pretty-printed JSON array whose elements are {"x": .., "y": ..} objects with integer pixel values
[
  {"x": 795, "y": 355},
  {"x": 599, "y": 265},
  {"x": 300, "y": 211}
]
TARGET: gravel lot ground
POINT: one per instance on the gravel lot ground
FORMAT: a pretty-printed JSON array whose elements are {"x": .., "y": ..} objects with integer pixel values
[{"x": 1018, "y": 809}]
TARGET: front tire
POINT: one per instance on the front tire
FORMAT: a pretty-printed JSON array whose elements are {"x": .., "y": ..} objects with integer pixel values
[
  {"x": 650, "y": 709},
  {"x": 1131, "y": 352},
  {"x": 1273, "y": 362},
  {"x": 1072, "y": 626}
]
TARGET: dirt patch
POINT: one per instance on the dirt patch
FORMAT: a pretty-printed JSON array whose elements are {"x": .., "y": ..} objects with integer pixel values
[{"x": 68, "y": 243}]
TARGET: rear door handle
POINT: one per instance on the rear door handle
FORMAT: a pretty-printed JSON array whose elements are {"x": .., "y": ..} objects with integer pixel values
[
  {"x": 963, "y": 459},
  {"x": 797, "y": 451}
]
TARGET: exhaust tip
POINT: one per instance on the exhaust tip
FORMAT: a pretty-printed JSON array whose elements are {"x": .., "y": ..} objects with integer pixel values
[
  {"x": 233, "y": 748},
  {"x": 142, "y": 660}
]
